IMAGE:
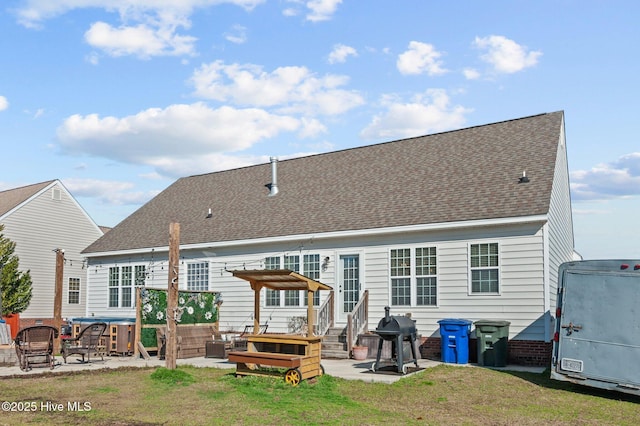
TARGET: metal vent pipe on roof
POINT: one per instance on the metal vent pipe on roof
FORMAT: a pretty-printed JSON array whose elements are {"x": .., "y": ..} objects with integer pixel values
[{"x": 274, "y": 176}]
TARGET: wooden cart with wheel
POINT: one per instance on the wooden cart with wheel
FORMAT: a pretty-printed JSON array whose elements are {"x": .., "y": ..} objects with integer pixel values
[{"x": 269, "y": 353}]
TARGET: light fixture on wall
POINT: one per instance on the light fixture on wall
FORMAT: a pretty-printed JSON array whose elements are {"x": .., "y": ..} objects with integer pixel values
[
  {"x": 209, "y": 213},
  {"x": 325, "y": 263},
  {"x": 523, "y": 178}
]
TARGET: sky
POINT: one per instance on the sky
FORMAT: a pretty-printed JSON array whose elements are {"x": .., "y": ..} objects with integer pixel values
[{"x": 120, "y": 98}]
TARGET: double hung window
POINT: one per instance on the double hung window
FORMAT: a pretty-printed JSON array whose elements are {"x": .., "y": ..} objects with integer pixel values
[
  {"x": 484, "y": 270},
  {"x": 414, "y": 278},
  {"x": 310, "y": 267},
  {"x": 121, "y": 285},
  {"x": 74, "y": 291}
]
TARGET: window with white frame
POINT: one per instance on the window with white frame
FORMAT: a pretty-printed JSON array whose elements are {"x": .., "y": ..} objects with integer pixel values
[
  {"x": 414, "y": 278},
  {"x": 292, "y": 297},
  {"x": 272, "y": 297},
  {"x": 426, "y": 277},
  {"x": 140, "y": 275},
  {"x": 120, "y": 287},
  {"x": 198, "y": 276},
  {"x": 74, "y": 291},
  {"x": 114, "y": 287},
  {"x": 484, "y": 263},
  {"x": 310, "y": 267},
  {"x": 126, "y": 284}
]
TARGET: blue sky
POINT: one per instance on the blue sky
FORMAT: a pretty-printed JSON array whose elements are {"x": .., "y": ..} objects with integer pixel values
[{"x": 119, "y": 98}]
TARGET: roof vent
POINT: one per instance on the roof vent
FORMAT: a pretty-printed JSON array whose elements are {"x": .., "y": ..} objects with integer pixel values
[
  {"x": 274, "y": 176},
  {"x": 523, "y": 178}
]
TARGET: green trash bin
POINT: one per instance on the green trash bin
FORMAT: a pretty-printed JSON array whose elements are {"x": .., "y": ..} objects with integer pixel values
[{"x": 492, "y": 342}]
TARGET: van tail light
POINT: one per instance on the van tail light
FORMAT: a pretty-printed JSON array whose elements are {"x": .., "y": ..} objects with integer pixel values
[
  {"x": 558, "y": 312},
  {"x": 556, "y": 336}
]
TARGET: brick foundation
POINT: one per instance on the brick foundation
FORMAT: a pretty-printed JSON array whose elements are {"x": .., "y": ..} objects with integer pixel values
[{"x": 520, "y": 352}]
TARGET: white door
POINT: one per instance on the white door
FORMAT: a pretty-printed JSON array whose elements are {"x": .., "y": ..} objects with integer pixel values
[{"x": 348, "y": 285}]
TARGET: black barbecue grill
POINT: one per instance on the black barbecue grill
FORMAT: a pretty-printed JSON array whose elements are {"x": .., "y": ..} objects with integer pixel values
[{"x": 397, "y": 329}]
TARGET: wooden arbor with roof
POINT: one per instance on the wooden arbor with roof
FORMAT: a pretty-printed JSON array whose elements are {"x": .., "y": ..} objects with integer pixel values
[{"x": 299, "y": 354}]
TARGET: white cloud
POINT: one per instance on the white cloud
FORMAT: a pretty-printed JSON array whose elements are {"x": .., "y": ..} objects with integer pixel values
[
  {"x": 322, "y": 10},
  {"x": 420, "y": 58},
  {"x": 471, "y": 74},
  {"x": 425, "y": 113},
  {"x": 340, "y": 53},
  {"x": 108, "y": 191},
  {"x": 147, "y": 27},
  {"x": 34, "y": 12},
  {"x": 617, "y": 179},
  {"x": 505, "y": 55},
  {"x": 4, "y": 103},
  {"x": 290, "y": 89},
  {"x": 155, "y": 136},
  {"x": 238, "y": 35},
  {"x": 142, "y": 40},
  {"x": 311, "y": 128}
]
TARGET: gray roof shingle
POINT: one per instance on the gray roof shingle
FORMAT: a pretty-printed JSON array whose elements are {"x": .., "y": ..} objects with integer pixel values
[
  {"x": 467, "y": 174},
  {"x": 12, "y": 198}
]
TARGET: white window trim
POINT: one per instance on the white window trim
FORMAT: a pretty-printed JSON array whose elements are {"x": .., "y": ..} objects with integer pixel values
[
  {"x": 413, "y": 278},
  {"x": 186, "y": 274},
  {"x": 79, "y": 291},
  {"x": 500, "y": 283}
]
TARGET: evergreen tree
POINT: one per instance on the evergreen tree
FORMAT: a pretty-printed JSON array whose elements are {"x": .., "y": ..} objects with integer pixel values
[{"x": 14, "y": 284}]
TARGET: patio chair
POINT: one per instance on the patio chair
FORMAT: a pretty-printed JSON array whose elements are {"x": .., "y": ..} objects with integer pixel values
[
  {"x": 34, "y": 346},
  {"x": 86, "y": 343}
]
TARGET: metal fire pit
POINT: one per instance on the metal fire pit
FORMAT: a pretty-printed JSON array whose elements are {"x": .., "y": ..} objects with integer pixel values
[{"x": 397, "y": 329}]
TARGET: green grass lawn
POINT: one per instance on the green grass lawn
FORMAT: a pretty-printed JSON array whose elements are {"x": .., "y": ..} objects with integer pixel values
[{"x": 443, "y": 395}]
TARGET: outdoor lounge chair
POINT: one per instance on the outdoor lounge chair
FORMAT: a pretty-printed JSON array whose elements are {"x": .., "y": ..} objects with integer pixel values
[
  {"x": 86, "y": 343},
  {"x": 34, "y": 346}
]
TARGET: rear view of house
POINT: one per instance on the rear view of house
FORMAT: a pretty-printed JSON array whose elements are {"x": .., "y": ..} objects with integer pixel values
[
  {"x": 40, "y": 219},
  {"x": 467, "y": 224}
]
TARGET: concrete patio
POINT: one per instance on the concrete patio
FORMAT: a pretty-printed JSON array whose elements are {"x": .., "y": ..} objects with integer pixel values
[{"x": 344, "y": 368}]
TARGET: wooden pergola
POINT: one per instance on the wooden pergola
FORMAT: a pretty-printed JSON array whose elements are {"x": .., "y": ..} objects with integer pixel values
[{"x": 280, "y": 279}]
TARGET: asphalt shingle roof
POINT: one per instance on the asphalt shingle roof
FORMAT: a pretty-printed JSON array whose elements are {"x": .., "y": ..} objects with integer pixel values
[
  {"x": 467, "y": 174},
  {"x": 11, "y": 198}
]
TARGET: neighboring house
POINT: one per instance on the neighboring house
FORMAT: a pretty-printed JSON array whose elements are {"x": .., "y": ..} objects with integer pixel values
[
  {"x": 438, "y": 226},
  {"x": 41, "y": 218}
]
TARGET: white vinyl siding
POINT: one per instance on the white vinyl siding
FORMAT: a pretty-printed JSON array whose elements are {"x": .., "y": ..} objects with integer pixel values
[
  {"x": 521, "y": 279},
  {"x": 65, "y": 226}
]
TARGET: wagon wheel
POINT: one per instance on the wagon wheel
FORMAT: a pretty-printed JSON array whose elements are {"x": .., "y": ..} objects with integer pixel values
[
  {"x": 293, "y": 376},
  {"x": 321, "y": 370},
  {"x": 52, "y": 362},
  {"x": 404, "y": 368},
  {"x": 373, "y": 367}
]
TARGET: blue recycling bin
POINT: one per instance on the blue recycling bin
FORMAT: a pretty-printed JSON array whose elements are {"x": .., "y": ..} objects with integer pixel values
[{"x": 454, "y": 340}]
